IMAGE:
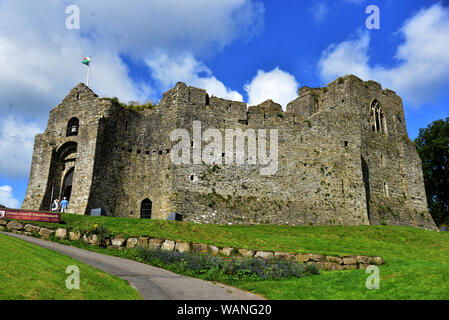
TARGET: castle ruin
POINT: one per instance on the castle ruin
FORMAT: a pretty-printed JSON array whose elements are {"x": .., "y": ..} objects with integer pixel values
[{"x": 344, "y": 158}]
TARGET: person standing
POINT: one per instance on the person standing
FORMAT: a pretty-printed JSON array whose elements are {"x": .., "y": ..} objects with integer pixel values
[
  {"x": 55, "y": 205},
  {"x": 64, "y": 204}
]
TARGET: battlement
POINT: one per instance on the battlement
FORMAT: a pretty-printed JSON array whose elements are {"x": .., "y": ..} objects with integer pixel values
[{"x": 341, "y": 158}]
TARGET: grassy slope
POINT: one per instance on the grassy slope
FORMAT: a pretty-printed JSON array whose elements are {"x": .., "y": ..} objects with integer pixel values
[
  {"x": 29, "y": 272},
  {"x": 417, "y": 261}
]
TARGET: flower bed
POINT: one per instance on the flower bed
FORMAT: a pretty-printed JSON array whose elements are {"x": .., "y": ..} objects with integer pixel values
[{"x": 235, "y": 268}]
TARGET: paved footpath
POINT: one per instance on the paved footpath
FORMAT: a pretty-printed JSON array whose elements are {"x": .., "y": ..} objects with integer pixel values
[{"x": 152, "y": 283}]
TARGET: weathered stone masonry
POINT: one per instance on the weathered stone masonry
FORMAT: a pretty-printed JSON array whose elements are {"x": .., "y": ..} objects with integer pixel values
[{"x": 344, "y": 159}]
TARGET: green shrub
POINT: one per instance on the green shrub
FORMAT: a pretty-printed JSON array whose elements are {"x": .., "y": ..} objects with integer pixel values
[{"x": 102, "y": 233}]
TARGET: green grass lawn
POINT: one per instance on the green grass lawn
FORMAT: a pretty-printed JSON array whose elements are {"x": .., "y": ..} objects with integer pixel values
[
  {"x": 29, "y": 272},
  {"x": 417, "y": 261}
]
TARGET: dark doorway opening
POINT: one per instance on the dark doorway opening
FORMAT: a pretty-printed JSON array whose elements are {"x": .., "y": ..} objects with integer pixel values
[
  {"x": 145, "y": 209},
  {"x": 67, "y": 185},
  {"x": 365, "y": 172}
]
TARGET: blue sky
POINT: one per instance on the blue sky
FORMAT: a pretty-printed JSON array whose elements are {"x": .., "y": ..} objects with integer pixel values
[{"x": 248, "y": 50}]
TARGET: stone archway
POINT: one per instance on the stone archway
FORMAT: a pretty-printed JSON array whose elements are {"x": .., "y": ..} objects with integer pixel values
[
  {"x": 145, "y": 209},
  {"x": 61, "y": 173}
]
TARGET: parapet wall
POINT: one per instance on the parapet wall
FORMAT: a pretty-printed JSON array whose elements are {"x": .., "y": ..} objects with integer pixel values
[{"x": 332, "y": 168}]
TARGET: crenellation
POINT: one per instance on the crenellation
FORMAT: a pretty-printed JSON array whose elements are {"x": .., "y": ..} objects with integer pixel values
[{"x": 338, "y": 161}]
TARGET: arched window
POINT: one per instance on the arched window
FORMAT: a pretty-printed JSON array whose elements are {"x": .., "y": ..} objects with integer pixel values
[
  {"x": 73, "y": 127},
  {"x": 378, "y": 123},
  {"x": 145, "y": 209}
]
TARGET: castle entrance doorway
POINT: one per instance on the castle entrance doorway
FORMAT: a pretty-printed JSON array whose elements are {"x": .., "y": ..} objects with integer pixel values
[
  {"x": 67, "y": 185},
  {"x": 145, "y": 209}
]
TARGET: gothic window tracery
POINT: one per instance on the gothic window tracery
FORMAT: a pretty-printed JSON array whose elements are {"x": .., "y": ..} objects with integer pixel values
[{"x": 378, "y": 123}]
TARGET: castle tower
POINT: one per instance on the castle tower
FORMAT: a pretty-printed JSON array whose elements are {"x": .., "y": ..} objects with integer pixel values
[{"x": 64, "y": 155}]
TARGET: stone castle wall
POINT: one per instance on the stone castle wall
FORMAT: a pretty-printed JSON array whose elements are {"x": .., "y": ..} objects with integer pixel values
[{"x": 333, "y": 169}]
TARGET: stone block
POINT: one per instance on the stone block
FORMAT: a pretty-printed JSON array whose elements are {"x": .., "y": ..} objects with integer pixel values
[
  {"x": 131, "y": 243},
  {"x": 283, "y": 256},
  {"x": 350, "y": 267},
  {"x": 93, "y": 240},
  {"x": 333, "y": 259},
  {"x": 326, "y": 265},
  {"x": 155, "y": 244},
  {"x": 182, "y": 246},
  {"x": 143, "y": 242},
  {"x": 118, "y": 241},
  {"x": 227, "y": 251},
  {"x": 3, "y": 222},
  {"x": 264, "y": 255},
  {"x": 214, "y": 250},
  {"x": 199, "y": 247},
  {"x": 377, "y": 261},
  {"x": 168, "y": 245},
  {"x": 363, "y": 259},
  {"x": 61, "y": 233},
  {"x": 302, "y": 257},
  {"x": 74, "y": 236},
  {"x": 44, "y": 232},
  {"x": 317, "y": 257},
  {"x": 349, "y": 260},
  {"x": 32, "y": 229},
  {"x": 246, "y": 252},
  {"x": 14, "y": 225}
]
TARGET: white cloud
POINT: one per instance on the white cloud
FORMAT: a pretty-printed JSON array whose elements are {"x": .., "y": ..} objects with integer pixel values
[
  {"x": 7, "y": 199},
  {"x": 41, "y": 60},
  {"x": 139, "y": 26},
  {"x": 422, "y": 70},
  {"x": 348, "y": 57},
  {"x": 169, "y": 70},
  {"x": 16, "y": 143},
  {"x": 320, "y": 11},
  {"x": 277, "y": 85}
]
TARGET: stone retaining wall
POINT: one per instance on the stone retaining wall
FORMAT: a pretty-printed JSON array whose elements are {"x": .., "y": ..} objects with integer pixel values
[{"x": 325, "y": 262}]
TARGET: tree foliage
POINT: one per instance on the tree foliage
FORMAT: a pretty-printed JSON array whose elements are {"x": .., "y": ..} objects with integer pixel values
[{"x": 432, "y": 144}]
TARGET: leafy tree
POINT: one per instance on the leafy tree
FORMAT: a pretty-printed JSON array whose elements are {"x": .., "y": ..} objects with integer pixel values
[{"x": 432, "y": 144}]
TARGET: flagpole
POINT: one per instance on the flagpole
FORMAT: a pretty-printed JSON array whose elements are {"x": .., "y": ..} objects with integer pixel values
[{"x": 88, "y": 71}]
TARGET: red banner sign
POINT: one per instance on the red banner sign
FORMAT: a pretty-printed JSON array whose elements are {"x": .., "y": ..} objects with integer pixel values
[{"x": 30, "y": 215}]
